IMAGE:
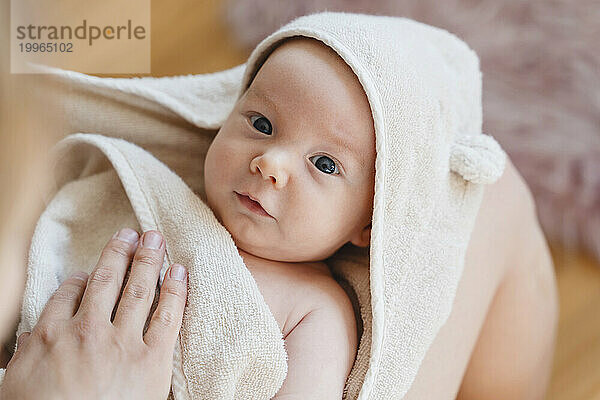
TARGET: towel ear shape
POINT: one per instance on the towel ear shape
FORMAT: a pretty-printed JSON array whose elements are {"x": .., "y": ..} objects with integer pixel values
[{"x": 477, "y": 158}]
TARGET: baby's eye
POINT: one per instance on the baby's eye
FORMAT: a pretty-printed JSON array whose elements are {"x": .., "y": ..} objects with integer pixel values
[
  {"x": 261, "y": 124},
  {"x": 326, "y": 165}
]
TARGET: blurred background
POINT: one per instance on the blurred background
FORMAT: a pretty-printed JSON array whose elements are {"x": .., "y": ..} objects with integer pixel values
[{"x": 541, "y": 101}]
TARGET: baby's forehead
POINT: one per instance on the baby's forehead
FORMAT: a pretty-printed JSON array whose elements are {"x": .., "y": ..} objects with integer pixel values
[
  {"x": 300, "y": 54},
  {"x": 301, "y": 65},
  {"x": 309, "y": 54},
  {"x": 305, "y": 81},
  {"x": 304, "y": 43}
]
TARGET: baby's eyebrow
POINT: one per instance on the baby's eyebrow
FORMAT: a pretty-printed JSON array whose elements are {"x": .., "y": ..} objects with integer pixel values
[
  {"x": 262, "y": 96},
  {"x": 341, "y": 140}
]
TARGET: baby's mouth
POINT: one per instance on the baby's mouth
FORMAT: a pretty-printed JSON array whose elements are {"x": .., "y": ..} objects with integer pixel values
[{"x": 252, "y": 205}]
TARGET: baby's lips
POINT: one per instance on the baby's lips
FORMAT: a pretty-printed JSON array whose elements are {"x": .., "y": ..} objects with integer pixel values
[{"x": 256, "y": 200}]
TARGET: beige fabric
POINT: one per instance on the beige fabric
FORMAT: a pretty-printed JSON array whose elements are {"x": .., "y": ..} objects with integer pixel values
[{"x": 424, "y": 88}]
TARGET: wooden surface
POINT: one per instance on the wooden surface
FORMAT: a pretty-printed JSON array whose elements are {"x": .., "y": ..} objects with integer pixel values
[
  {"x": 576, "y": 371},
  {"x": 189, "y": 37}
]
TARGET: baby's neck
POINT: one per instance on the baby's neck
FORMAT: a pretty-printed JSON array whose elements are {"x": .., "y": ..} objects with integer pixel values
[{"x": 252, "y": 259}]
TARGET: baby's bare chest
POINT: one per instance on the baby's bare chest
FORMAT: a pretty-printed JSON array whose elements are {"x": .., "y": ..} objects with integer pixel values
[{"x": 286, "y": 287}]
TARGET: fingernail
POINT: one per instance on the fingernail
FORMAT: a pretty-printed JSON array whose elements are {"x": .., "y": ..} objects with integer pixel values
[
  {"x": 80, "y": 275},
  {"x": 178, "y": 272},
  {"x": 152, "y": 240},
  {"x": 127, "y": 235}
]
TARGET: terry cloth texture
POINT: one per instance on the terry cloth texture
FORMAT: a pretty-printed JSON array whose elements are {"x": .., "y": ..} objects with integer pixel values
[{"x": 423, "y": 85}]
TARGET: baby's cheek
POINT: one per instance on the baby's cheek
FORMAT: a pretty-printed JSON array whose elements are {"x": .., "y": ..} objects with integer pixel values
[
  {"x": 319, "y": 223},
  {"x": 220, "y": 161}
]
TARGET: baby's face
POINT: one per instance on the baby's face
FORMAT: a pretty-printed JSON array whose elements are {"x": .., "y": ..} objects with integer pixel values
[{"x": 301, "y": 141}]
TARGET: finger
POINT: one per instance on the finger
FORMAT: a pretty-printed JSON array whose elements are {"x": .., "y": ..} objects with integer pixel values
[
  {"x": 166, "y": 320},
  {"x": 63, "y": 304},
  {"x": 22, "y": 339},
  {"x": 139, "y": 291},
  {"x": 106, "y": 279}
]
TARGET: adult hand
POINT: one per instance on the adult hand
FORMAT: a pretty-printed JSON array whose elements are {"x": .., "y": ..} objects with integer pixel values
[{"x": 75, "y": 351}]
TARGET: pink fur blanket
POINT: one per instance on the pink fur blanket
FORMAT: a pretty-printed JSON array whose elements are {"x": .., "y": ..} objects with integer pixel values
[{"x": 541, "y": 89}]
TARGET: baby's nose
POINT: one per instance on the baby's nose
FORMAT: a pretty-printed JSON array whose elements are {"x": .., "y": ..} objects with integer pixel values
[{"x": 271, "y": 167}]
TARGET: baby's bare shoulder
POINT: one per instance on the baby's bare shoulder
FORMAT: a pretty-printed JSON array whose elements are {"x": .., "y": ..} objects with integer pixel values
[
  {"x": 325, "y": 335},
  {"x": 312, "y": 288},
  {"x": 292, "y": 290}
]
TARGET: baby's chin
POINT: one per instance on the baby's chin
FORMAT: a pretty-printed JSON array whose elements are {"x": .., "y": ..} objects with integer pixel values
[
  {"x": 255, "y": 251},
  {"x": 277, "y": 255},
  {"x": 245, "y": 238}
]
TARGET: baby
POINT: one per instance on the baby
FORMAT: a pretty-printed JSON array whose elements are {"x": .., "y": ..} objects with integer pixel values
[{"x": 291, "y": 176}]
